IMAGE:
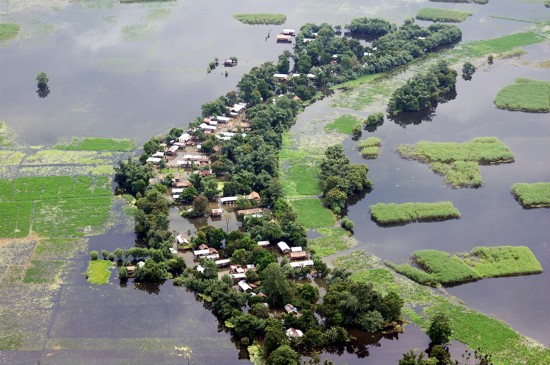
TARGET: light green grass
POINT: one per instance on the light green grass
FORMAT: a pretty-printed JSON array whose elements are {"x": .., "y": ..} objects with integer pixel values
[
  {"x": 499, "y": 45},
  {"x": 6, "y": 137},
  {"x": 442, "y": 15},
  {"x": 8, "y": 31},
  {"x": 535, "y": 195},
  {"x": 391, "y": 213},
  {"x": 358, "y": 81},
  {"x": 525, "y": 95},
  {"x": 343, "y": 124},
  {"x": 370, "y": 147},
  {"x": 261, "y": 18},
  {"x": 43, "y": 272},
  {"x": 300, "y": 178},
  {"x": 312, "y": 213},
  {"x": 98, "y": 272},
  {"x": 438, "y": 267},
  {"x": 98, "y": 144},
  {"x": 459, "y": 173},
  {"x": 332, "y": 241}
]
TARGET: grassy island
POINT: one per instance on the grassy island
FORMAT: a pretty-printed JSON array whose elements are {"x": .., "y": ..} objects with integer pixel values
[
  {"x": 98, "y": 272},
  {"x": 535, "y": 195},
  {"x": 435, "y": 267},
  {"x": 370, "y": 147},
  {"x": 442, "y": 15},
  {"x": 391, "y": 213},
  {"x": 8, "y": 31},
  {"x": 343, "y": 124},
  {"x": 459, "y": 162},
  {"x": 261, "y": 18},
  {"x": 525, "y": 95},
  {"x": 98, "y": 144}
]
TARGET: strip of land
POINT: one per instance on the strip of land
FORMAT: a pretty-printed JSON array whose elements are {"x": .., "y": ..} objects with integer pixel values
[
  {"x": 442, "y": 15},
  {"x": 261, "y": 18},
  {"x": 98, "y": 144},
  {"x": 391, "y": 213}
]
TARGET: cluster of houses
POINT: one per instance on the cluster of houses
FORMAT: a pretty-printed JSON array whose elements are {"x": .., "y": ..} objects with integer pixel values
[
  {"x": 285, "y": 36},
  {"x": 298, "y": 257}
]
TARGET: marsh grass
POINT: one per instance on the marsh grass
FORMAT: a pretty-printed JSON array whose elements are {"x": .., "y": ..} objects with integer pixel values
[
  {"x": 535, "y": 195},
  {"x": 332, "y": 241},
  {"x": 525, "y": 95},
  {"x": 370, "y": 147},
  {"x": 499, "y": 45},
  {"x": 312, "y": 213},
  {"x": 8, "y": 31},
  {"x": 98, "y": 272},
  {"x": 43, "y": 272},
  {"x": 98, "y": 144},
  {"x": 442, "y": 15},
  {"x": 261, "y": 18},
  {"x": 300, "y": 179},
  {"x": 459, "y": 173},
  {"x": 343, "y": 124},
  {"x": 393, "y": 214}
]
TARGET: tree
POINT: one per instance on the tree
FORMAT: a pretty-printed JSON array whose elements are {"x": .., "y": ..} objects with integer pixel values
[
  {"x": 93, "y": 255},
  {"x": 200, "y": 204},
  {"x": 123, "y": 273},
  {"x": 468, "y": 70},
  {"x": 410, "y": 358},
  {"x": 42, "y": 80},
  {"x": 440, "y": 329},
  {"x": 276, "y": 286},
  {"x": 284, "y": 355}
]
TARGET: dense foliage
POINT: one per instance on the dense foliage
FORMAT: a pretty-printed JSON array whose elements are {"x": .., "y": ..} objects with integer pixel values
[{"x": 370, "y": 26}]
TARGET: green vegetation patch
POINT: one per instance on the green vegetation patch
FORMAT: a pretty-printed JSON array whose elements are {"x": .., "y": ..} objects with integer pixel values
[
  {"x": 43, "y": 272},
  {"x": 370, "y": 147},
  {"x": 6, "y": 137},
  {"x": 98, "y": 272},
  {"x": 261, "y": 18},
  {"x": 312, "y": 213},
  {"x": 437, "y": 267},
  {"x": 358, "y": 81},
  {"x": 535, "y": 195},
  {"x": 98, "y": 144},
  {"x": 8, "y": 31},
  {"x": 392, "y": 213},
  {"x": 442, "y": 15},
  {"x": 333, "y": 240},
  {"x": 525, "y": 95},
  {"x": 498, "y": 45},
  {"x": 343, "y": 124},
  {"x": 301, "y": 178},
  {"x": 459, "y": 173}
]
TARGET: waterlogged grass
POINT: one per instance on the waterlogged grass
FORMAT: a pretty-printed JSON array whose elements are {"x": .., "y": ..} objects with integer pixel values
[
  {"x": 358, "y": 82},
  {"x": 332, "y": 241},
  {"x": 438, "y": 267},
  {"x": 6, "y": 137},
  {"x": 58, "y": 157},
  {"x": 98, "y": 144},
  {"x": 312, "y": 213},
  {"x": 525, "y": 95},
  {"x": 43, "y": 272},
  {"x": 442, "y": 15},
  {"x": 499, "y": 45},
  {"x": 370, "y": 147},
  {"x": 8, "y": 31},
  {"x": 476, "y": 330},
  {"x": 98, "y": 272},
  {"x": 392, "y": 213},
  {"x": 458, "y": 162},
  {"x": 261, "y": 18},
  {"x": 343, "y": 124},
  {"x": 301, "y": 178},
  {"x": 535, "y": 195}
]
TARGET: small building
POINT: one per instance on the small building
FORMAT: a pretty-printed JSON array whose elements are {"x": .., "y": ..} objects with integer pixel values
[
  {"x": 289, "y": 308},
  {"x": 281, "y": 77},
  {"x": 181, "y": 240},
  {"x": 263, "y": 243},
  {"x": 300, "y": 255},
  {"x": 140, "y": 264},
  {"x": 223, "y": 120},
  {"x": 236, "y": 269},
  {"x": 244, "y": 286},
  {"x": 282, "y": 38},
  {"x": 172, "y": 150},
  {"x": 293, "y": 333},
  {"x": 182, "y": 184},
  {"x": 254, "y": 196},
  {"x": 184, "y": 138},
  {"x": 207, "y": 127},
  {"x": 173, "y": 251},
  {"x": 238, "y": 277},
  {"x": 201, "y": 253},
  {"x": 289, "y": 31},
  {"x": 154, "y": 160},
  {"x": 216, "y": 212},
  {"x": 237, "y": 108},
  {"x": 255, "y": 212},
  {"x": 223, "y": 262},
  {"x": 228, "y": 199},
  {"x": 296, "y": 249},
  {"x": 230, "y": 62},
  {"x": 130, "y": 270},
  {"x": 305, "y": 263},
  {"x": 283, "y": 247},
  {"x": 177, "y": 190},
  {"x": 158, "y": 154}
]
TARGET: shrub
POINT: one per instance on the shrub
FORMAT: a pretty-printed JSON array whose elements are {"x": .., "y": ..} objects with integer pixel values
[{"x": 94, "y": 255}]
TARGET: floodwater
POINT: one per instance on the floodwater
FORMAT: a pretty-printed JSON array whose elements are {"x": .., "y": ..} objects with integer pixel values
[{"x": 136, "y": 70}]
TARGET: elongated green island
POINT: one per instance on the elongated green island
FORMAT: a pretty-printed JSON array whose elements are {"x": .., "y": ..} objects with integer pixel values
[{"x": 391, "y": 213}]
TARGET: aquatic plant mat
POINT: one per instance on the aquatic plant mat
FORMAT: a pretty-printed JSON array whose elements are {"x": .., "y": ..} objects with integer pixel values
[
  {"x": 8, "y": 31},
  {"x": 525, "y": 95},
  {"x": 434, "y": 267},
  {"x": 536, "y": 195},
  {"x": 261, "y": 18},
  {"x": 343, "y": 124},
  {"x": 98, "y": 144},
  {"x": 475, "y": 329},
  {"x": 458, "y": 162},
  {"x": 394, "y": 214},
  {"x": 370, "y": 147},
  {"x": 442, "y": 15}
]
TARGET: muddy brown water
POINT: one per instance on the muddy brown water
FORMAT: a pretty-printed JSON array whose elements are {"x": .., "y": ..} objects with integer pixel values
[{"x": 104, "y": 85}]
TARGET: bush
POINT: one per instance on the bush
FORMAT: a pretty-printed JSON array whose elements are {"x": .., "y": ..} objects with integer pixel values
[
  {"x": 347, "y": 224},
  {"x": 123, "y": 273},
  {"x": 94, "y": 255}
]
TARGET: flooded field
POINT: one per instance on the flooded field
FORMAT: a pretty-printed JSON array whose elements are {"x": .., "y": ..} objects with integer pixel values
[{"x": 135, "y": 70}]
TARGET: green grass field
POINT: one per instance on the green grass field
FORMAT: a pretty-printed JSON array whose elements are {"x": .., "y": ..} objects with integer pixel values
[
  {"x": 98, "y": 144},
  {"x": 98, "y": 272},
  {"x": 442, "y": 15},
  {"x": 312, "y": 213},
  {"x": 343, "y": 124},
  {"x": 8, "y": 31},
  {"x": 535, "y": 195},
  {"x": 438, "y": 267},
  {"x": 525, "y": 95},
  {"x": 261, "y": 18},
  {"x": 391, "y": 213}
]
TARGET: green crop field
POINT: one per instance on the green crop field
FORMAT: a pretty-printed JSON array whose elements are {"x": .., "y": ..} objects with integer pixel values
[
  {"x": 312, "y": 213},
  {"x": 535, "y": 195},
  {"x": 525, "y": 95},
  {"x": 8, "y": 31},
  {"x": 442, "y": 15},
  {"x": 458, "y": 162},
  {"x": 98, "y": 144},
  {"x": 391, "y": 213},
  {"x": 343, "y": 124},
  {"x": 261, "y": 18},
  {"x": 98, "y": 272},
  {"x": 438, "y": 267}
]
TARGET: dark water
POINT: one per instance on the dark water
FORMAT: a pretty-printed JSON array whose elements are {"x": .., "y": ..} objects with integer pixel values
[{"x": 109, "y": 82}]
